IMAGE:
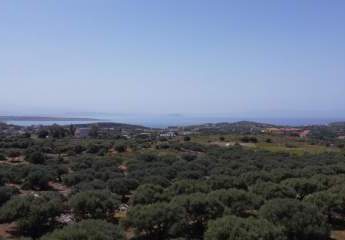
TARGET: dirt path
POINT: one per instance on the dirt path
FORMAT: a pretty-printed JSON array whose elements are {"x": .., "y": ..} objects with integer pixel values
[
  {"x": 62, "y": 189},
  {"x": 7, "y": 230},
  {"x": 338, "y": 235}
]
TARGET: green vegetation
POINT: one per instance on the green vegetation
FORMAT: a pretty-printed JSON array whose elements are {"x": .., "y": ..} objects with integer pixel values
[
  {"x": 243, "y": 228},
  {"x": 226, "y": 183},
  {"x": 87, "y": 229}
]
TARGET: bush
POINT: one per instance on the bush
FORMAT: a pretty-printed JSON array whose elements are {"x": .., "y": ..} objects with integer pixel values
[
  {"x": 330, "y": 204},
  {"x": 235, "y": 228},
  {"x": 156, "y": 220},
  {"x": 93, "y": 148},
  {"x": 35, "y": 157},
  {"x": 186, "y": 138},
  {"x": 96, "y": 204},
  {"x": 6, "y": 193},
  {"x": 220, "y": 181},
  {"x": 163, "y": 146},
  {"x": 89, "y": 186},
  {"x": 122, "y": 186},
  {"x": 34, "y": 215},
  {"x": 299, "y": 220},
  {"x": 187, "y": 187},
  {"x": 341, "y": 145},
  {"x": 43, "y": 133},
  {"x": 271, "y": 190},
  {"x": 291, "y": 145},
  {"x": 303, "y": 186},
  {"x": 249, "y": 139},
  {"x": 148, "y": 194},
  {"x": 77, "y": 177},
  {"x": 78, "y": 149},
  {"x": 37, "y": 179},
  {"x": 121, "y": 148},
  {"x": 87, "y": 229},
  {"x": 189, "y": 156},
  {"x": 14, "y": 154},
  {"x": 238, "y": 202},
  {"x": 196, "y": 210}
]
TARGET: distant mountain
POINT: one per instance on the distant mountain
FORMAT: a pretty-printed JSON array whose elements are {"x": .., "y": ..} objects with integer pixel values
[
  {"x": 337, "y": 124},
  {"x": 247, "y": 124},
  {"x": 235, "y": 127},
  {"x": 111, "y": 125}
]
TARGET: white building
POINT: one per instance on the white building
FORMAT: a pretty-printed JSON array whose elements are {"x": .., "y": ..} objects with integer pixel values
[
  {"x": 82, "y": 132},
  {"x": 167, "y": 134}
]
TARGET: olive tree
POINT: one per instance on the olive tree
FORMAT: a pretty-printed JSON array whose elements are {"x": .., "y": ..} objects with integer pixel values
[
  {"x": 88, "y": 230},
  {"x": 98, "y": 204},
  {"x": 299, "y": 220},
  {"x": 34, "y": 214},
  {"x": 235, "y": 228}
]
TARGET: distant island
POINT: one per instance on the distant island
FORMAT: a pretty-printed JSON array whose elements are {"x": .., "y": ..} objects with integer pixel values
[{"x": 41, "y": 118}]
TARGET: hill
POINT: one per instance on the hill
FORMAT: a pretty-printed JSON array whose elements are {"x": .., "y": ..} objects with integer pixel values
[{"x": 235, "y": 127}]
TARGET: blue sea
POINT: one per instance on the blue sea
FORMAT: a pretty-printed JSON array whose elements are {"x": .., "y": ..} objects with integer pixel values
[{"x": 162, "y": 121}]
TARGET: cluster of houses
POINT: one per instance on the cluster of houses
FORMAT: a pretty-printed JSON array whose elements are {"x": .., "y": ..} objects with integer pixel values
[
  {"x": 171, "y": 132},
  {"x": 302, "y": 133},
  {"x": 12, "y": 130},
  {"x": 82, "y": 132}
]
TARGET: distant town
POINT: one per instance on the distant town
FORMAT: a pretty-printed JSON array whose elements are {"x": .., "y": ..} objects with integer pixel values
[{"x": 333, "y": 130}]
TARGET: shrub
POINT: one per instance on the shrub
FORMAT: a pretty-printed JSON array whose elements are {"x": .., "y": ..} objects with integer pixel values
[
  {"x": 291, "y": 145},
  {"x": 303, "y": 186},
  {"x": 196, "y": 210},
  {"x": 33, "y": 214},
  {"x": 87, "y": 229},
  {"x": 186, "y": 138},
  {"x": 189, "y": 156},
  {"x": 271, "y": 190},
  {"x": 35, "y": 157},
  {"x": 93, "y": 148},
  {"x": 238, "y": 202},
  {"x": 14, "y": 154},
  {"x": 6, "y": 193},
  {"x": 155, "y": 220},
  {"x": 78, "y": 149},
  {"x": 43, "y": 133},
  {"x": 331, "y": 204},
  {"x": 98, "y": 204},
  {"x": 147, "y": 194},
  {"x": 299, "y": 220},
  {"x": 121, "y": 148},
  {"x": 235, "y": 228},
  {"x": 37, "y": 178}
]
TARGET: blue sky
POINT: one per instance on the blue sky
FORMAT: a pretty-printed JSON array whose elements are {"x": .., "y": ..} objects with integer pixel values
[{"x": 251, "y": 58}]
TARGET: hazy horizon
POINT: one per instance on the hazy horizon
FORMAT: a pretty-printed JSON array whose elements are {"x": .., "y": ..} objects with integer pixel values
[
  {"x": 239, "y": 115},
  {"x": 244, "y": 59}
]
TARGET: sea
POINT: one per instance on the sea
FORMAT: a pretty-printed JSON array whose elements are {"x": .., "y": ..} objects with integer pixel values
[{"x": 163, "y": 121}]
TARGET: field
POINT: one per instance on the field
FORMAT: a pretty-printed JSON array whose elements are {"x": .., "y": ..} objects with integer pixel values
[{"x": 294, "y": 145}]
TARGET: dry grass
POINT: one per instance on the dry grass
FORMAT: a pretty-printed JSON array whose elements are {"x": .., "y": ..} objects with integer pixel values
[{"x": 338, "y": 235}]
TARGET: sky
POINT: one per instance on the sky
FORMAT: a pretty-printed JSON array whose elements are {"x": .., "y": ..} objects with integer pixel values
[{"x": 241, "y": 58}]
